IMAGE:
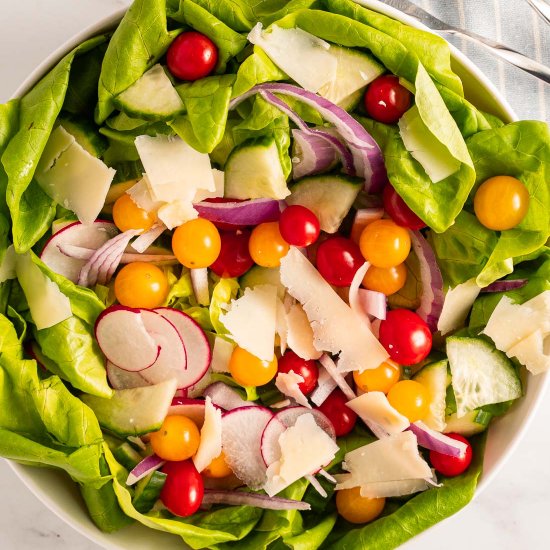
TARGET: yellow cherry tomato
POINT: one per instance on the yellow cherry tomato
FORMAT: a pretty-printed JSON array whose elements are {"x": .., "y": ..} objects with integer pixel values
[
  {"x": 382, "y": 378},
  {"x": 197, "y": 243},
  {"x": 141, "y": 284},
  {"x": 383, "y": 243},
  {"x": 249, "y": 370},
  {"x": 387, "y": 280},
  {"x": 501, "y": 202},
  {"x": 128, "y": 215},
  {"x": 410, "y": 398},
  {"x": 357, "y": 509},
  {"x": 178, "y": 439},
  {"x": 218, "y": 468},
  {"x": 266, "y": 245}
]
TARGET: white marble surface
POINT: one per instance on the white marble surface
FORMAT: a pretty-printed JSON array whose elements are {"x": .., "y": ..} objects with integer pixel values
[{"x": 512, "y": 513}]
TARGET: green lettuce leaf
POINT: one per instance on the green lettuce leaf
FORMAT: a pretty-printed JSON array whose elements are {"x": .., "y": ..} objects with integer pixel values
[
  {"x": 233, "y": 13},
  {"x": 224, "y": 291},
  {"x": 312, "y": 538}
]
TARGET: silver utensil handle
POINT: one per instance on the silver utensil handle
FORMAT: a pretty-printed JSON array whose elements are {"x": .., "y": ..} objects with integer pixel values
[{"x": 511, "y": 56}]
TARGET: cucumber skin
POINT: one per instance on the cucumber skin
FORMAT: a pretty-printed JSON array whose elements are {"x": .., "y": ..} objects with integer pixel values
[
  {"x": 85, "y": 134},
  {"x": 127, "y": 456},
  {"x": 148, "y": 491}
]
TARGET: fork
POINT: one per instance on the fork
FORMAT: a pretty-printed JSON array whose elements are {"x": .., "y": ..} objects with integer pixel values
[{"x": 496, "y": 48}]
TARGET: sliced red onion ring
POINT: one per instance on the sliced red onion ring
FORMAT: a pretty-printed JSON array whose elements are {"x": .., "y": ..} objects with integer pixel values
[
  {"x": 226, "y": 397},
  {"x": 144, "y": 468},
  {"x": 241, "y": 498},
  {"x": 329, "y": 365},
  {"x": 311, "y": 154},
  {"x": 505, "y": 286},
  {"x": 82, "y": 253},
  {"x": 199, "y": 281},
  {"x": 363, "y": 304},
  {"x": 362, "y": 218},
  {"x": 251, "y": 212},
  {"x": 325, "y": 386},
  {"x": 144, "y": 241},
  {"x": 435, "y": 441},
  {"x": 327, "y": 476},
  {"x": 368, "y": 158},
  {"x": 432, "y": 298}
]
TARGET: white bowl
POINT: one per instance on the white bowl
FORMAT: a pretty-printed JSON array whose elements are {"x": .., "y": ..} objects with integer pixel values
[{"x": 61, "y": 495}]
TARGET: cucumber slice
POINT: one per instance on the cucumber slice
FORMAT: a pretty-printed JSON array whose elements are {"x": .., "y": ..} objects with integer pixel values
[
  {"x": 258, "y": 275},
  {"x": 136, "y": 411},
  {"x": 152, "y": 97},
  {"x": 434, "y": 378},
  {"x": 86, "y": 135},
  {"x": 471, "y": 423},
  {"x": 329, "y": 197},
  {"x": 148, "y": 491},
  {"x": 254, "y": 171},
  {"x": 481, "y": 374},
  {"x": 127, "y": 456},
  {"x": 355, "y": 70}
]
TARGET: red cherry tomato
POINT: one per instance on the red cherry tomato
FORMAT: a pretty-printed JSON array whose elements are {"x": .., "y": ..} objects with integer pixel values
[
  {"x": 299, "y": 225},
  {"x": 338, "y": 259},
  {"x": 341, "y": 416},
  {"x": 234, "y": 259},
  {"x": 398, "y": 210},
  {"x": 386, "y": 100},
  {"x": 306, "y": 369},
  {"x": 183, "y": 489},
  {"x": 405, "y": 336},
  {"x": 191, "y": 56},
  {"x": 451, "y": 466}
]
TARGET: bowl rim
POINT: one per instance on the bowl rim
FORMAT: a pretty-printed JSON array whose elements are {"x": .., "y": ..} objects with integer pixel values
[{"x": 104, "y": 25}]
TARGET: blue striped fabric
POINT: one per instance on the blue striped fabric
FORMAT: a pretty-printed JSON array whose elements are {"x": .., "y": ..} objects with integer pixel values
[{"x": 517, "y": 25}]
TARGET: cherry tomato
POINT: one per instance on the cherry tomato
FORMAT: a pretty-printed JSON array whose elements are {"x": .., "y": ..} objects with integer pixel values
[
  {"x": 338, "y": 259},
  {"x": 249, "y": 370},
  {"x": 357, "y": 509},
  {"x": 398, "y": 210},
  {"x": 128, "y": 215},
  {"x": 386, "y": 100},
  {"x": 266, "y": 245},
  {"x": 234, "y": 259},
  {"x": 410, "y": 398},
  {"x": 218, "y": 468},
  {"x": 308, "y": 370},
  {"x": 177, "y": 439},
  {"x": 191, "y": 56},
  {"x": 451, "y": 466},
  {"x": 387, "y": 280},
  {"x": 183, "y": 489},
  {"x": 405, "y": 336},
  {"x": 383, "y": 243},
  {"x": 141, "y": 284},
  {"x": 196, "y": 243},
  {"x": 299, "y": 225},
  {"x": 382, "y": 378},
  {"x": 501, "y": 202},
  {"x": 340, "y": 415}
]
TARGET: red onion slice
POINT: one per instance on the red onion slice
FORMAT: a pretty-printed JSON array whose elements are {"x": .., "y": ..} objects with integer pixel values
[
  {"x": 505, "y": 286},
  {"x": 241, "y": 498},
  {"x": 436, "y": 441},
  {"x": 432, "y": 298},
  {"x": 366, "y": 302},
  {"x": 316, "y": 485},
  {"x": 145, "y": 240},
  {"x": 250, "y": 212},
  {"x": 362, "y": 218},
  {"x": 82, "y": 253},
  {"x": 330, "y": 366},
  {"x": 311, "y": 154},
  {"x": 325, "y": 386},
  {"x": 144, "y": 468}
]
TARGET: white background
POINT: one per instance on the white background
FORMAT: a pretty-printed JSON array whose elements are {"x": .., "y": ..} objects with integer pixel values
[{"x": 512, "y": 513}]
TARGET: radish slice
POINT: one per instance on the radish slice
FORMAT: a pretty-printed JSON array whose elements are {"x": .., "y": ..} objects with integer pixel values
[
  {"x": 144, "y": 468},
  {"x": 328, "y": 363},
  {"x": 121, "y": 379},
  {"x": 194, "y": 340},
  {"x": 199, "y": 281},
  {"x": 145, "y": 240},
  {"x": 210, "y": 446},
  {"x": 242, "y": 431},
  {"x": 289, "y": 416},
  {"x": 241, "y": 498},
  {"x": 124, "y": 339},
  {"x": 226, "y": 397},
  {"x": 91, "y": 236},
  {"x": 270, "y": 449},
  {"x": 435, "y": 441},
  {"x": 325, "y": 386},
  {"x": 191, "y": 408}
]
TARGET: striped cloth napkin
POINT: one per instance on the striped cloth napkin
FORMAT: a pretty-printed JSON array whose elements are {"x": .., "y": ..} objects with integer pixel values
[{"x": 514, "y": 23}]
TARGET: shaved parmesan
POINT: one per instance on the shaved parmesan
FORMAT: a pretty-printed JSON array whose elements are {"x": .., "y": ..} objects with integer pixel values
[
  {"x": 300, "y": 334},
  {"x": 376, "y": 412},
  {"x": 176, "y": 213},
  {"x": 305, "y": 448},
  {"x": 301, "y": 55},
  {"x": 533, "y": 352},
  {"x": 389, "y": 460},
  {"x": 385, "y": 489},
  {"x": 458, "y": 303},
  {"x": 287, "y": 384},
  {"x": 140, "y": 193},
  {"x": 336, "y": 328},
  {"x": 281, "y": 325},
  {"x": 7, "y": 266},
  {"x": 47, "y": 304},
  {"x": 325, "y": 386},
  {"x": 72, "y": 177},
  {"x": 221, "y": 354},
  {"x": 251, "y": 320},
  {"x": 219, "y": 187},
  {"x": 210, "y": 446}
]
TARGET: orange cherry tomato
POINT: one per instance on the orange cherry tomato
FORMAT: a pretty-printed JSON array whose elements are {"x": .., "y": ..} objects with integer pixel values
[
  {"x": 128, "y": 215},
  {"x": 387, "y": 280},
  {"x": 411, "y": 399},
  {"x": 266, "y": 245},
  {"x": 357, "y": 509},
  {"x": 178, "y": 438},
  {"x": 382, "y": 378},
  {"x": 141, "y": 284},
  {"x": 197, "y": 243},
  {"x": 249, "y": 370},
  {"x": 218, "y": 468},
  {"x": 383, "y": 243}
]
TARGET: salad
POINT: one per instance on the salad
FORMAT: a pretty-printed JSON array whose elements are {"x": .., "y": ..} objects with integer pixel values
[{"x": 266, "y": 276}]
